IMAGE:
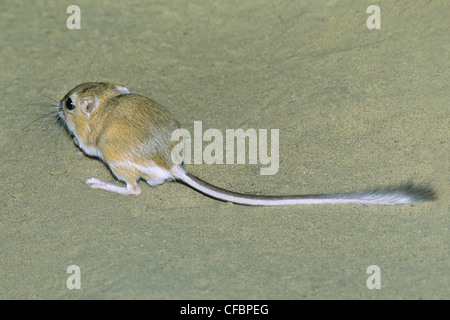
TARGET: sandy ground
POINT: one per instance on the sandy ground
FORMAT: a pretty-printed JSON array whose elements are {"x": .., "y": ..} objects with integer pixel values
[{"x": 355, "y": 108}]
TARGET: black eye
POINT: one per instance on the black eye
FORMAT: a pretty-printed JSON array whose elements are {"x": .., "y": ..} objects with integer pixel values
[{"x": 69, "y": 104}]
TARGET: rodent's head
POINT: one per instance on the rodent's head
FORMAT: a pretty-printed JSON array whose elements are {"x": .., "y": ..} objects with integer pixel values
[{"x": 82, "y": 101}]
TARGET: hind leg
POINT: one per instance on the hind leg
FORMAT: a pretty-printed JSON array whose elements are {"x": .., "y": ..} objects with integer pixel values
[
  {"x": 132, "y": 188},
  {"x": 128, "y": 174}
]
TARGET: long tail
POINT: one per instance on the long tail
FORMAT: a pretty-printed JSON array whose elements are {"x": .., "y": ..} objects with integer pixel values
[{"x": 404, "y": 194}]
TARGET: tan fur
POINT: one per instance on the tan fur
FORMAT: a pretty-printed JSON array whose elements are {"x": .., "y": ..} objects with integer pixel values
[{"x": 123, "y": 127}]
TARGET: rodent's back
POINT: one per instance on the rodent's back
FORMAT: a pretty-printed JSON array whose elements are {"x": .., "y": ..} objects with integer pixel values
[{"x": 139, "y": 130}]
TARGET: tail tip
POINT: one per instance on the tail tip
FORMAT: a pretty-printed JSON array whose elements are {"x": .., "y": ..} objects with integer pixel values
[{"x": 418, "y": 193}]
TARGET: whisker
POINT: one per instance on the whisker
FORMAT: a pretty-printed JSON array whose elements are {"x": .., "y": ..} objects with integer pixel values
[
  {"x": 45, "y": 115},
  {"x": 50, "y": 120},
  {"x": 36, "y": 104},
  {"x": 42, "y": 95}
]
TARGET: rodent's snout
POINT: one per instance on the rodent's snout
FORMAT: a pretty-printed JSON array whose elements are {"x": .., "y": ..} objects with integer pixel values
[
  {"x": 58, "y": 107},
  {"x": 60, "y": 111}
]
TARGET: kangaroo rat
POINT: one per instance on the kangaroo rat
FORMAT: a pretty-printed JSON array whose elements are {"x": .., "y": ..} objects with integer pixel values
[{"x": 132, "y": 135}]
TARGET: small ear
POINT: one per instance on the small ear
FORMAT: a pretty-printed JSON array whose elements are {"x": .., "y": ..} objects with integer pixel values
[
  {"x": 122, "y": 89},
  {"x": 88, "y": 104}
]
